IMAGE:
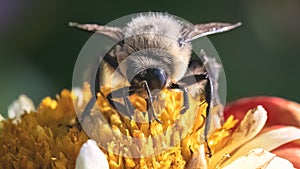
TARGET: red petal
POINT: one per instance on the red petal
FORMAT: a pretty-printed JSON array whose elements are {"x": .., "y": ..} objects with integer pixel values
[{"x": 280, "y": 111}]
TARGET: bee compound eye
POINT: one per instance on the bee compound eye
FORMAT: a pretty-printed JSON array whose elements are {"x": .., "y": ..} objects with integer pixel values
[{"x": 156, "y": 78}]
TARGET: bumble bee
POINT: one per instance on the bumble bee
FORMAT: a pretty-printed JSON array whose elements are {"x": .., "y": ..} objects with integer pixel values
[{"x": 153, "y": 52}]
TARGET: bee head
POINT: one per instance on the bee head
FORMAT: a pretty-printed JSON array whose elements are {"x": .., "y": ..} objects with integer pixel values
[{"x": 151, "y": 67}]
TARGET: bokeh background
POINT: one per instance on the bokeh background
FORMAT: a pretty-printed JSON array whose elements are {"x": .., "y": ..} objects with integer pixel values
[{"x": 38, "y": 50}]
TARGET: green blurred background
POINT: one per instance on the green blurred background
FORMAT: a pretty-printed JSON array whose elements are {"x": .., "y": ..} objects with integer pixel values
[{"x": 38, "y": 50}]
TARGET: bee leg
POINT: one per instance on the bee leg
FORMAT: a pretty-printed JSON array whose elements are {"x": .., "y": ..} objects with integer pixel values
[
  {"x": 208, "y": 96},
  {"x": 87, "y": 109},
  {"x": 149, "y": 101},
  {"x": 128, "y": 108},
  {"x": 92, "y": 101},
  {"x": 196, "y": 78},
  {"x": 186, "y": 102}
]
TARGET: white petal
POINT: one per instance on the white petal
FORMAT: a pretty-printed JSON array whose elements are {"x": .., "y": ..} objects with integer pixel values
[
  {"x": 250, "y": 126},
  {"x": 1, "y": 118},
  {"x": 279, "y": 163},
  {"x": 259, "y": 159},
  {"x": 91, "y": 157},
  {"x": 77, "y": 91},
  {"x": 198, "y": 159},
  {"x": 20, "y": 106},
  {"x": 256, "y": 158},
  {"x": 270, "y": 140}
]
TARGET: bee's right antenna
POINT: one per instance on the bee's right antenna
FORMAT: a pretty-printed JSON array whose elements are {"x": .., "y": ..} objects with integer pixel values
[{"x": 201, "y": 30}]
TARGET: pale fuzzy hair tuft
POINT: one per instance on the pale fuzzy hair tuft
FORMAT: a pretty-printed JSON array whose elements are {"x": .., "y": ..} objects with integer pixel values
[{"x": 156, "y": 23}]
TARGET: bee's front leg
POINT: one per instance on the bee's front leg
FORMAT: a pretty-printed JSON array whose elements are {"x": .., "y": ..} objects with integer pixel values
[
  {"x": 124, "y": 93},
  {"x": 149, "y": 101},
  {"x": 197, "y": 78}
]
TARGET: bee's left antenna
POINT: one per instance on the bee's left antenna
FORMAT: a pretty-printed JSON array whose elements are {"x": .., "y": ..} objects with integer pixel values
[{"x": 112, "y": 32}]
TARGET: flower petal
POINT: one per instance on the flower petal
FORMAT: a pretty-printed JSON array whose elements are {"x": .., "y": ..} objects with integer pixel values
[
  {"x": 251, "y": 125},
  {"x": 78, "y": 93},
  {"x": 20, "y": 106},
  {"x": 91, "y": 157},
  {"x": 280, "y": 111},
  {"x": 1, "y": 118},
  {"x": 270, "y": 140},
  {"x": 259, "y": 158},
  {"x": 279, "y": 163},
  {"x": 290, "y": 151},
  {"x": 198, "y": 159}
]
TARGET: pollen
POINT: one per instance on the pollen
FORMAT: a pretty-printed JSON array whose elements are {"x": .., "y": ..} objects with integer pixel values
[
  {"x": 52, "y": 138},
  {"x": 48, "y": 138},
  {"x": 170, "y": 144}
]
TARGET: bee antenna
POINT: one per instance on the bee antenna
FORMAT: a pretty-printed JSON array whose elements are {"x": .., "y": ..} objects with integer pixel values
[{"x": 112, "y": 32}]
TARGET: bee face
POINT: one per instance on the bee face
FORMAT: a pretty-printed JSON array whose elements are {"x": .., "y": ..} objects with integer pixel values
[
  {"x": 153, "y": 66},
  {"x": 155, "y": 50}
]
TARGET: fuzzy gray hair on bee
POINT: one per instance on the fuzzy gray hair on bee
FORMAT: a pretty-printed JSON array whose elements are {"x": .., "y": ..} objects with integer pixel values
[{"x": 153, "y": 52}]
